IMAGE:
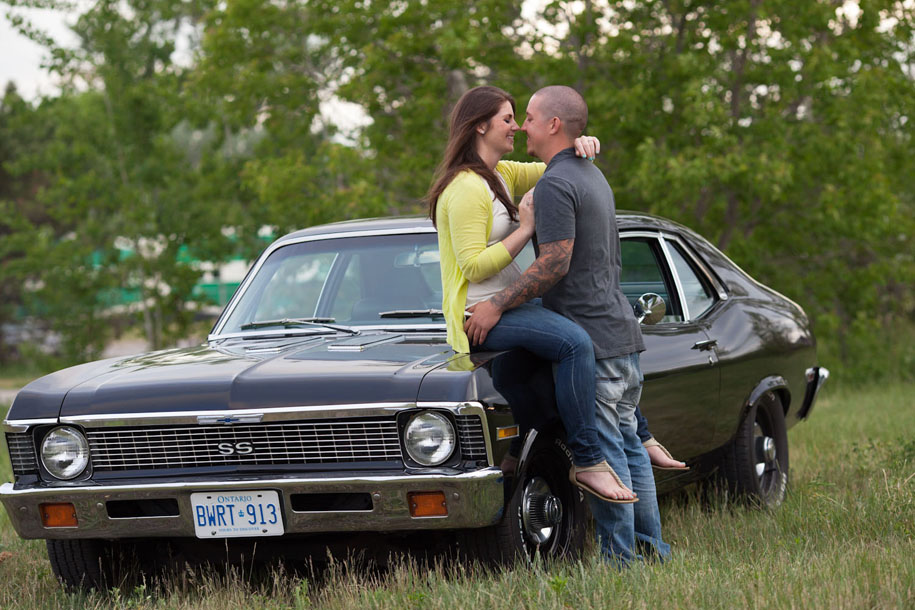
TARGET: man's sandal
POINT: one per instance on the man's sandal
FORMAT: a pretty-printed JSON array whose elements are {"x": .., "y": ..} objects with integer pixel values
[
  {"x": 599, "y": 467},
  {"x": 652, "y": 442}
]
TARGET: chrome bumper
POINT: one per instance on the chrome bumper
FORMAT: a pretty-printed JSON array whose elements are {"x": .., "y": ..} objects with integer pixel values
[
  {"x": 816, "y": 378},
  {"x": 473, "y": 499}
]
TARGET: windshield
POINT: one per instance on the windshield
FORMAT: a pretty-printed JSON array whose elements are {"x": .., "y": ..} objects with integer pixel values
[{"x": 348, "y": 281}]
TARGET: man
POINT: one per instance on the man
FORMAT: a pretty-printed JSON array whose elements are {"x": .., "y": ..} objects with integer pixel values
[{"x": 577, "y": 272}]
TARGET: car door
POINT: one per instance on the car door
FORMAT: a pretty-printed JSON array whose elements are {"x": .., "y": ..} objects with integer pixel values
[{"x": 680, "y": 365}]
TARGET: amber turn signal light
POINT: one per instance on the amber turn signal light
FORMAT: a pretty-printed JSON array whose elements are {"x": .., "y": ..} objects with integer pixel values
[
  {"x": 58, "y": 515},
  {"x": 427, "y": 504},
  {"x": 506, "y": 433}
]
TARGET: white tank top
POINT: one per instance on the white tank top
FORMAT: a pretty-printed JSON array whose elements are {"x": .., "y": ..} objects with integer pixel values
[{"x": 502, "y": 226}]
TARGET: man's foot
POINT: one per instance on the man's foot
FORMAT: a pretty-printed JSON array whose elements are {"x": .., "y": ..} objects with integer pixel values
[
  {"x": 605, "y": 484},
  {"x": 661, "y": 458}
]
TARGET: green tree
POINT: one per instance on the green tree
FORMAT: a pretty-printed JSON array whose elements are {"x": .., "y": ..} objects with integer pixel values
[
  {"x": 264, "y": 74},
  {"x": 406, "y": 64},
  {"x": 780, "y": 130},
  {"x": 46, "y": 262},
  {"x": 14, "y": 201},
  {"x": 116, "y": 179}
]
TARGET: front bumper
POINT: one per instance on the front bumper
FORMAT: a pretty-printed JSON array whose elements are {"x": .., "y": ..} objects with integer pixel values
[{"x": 473, "y": 499}]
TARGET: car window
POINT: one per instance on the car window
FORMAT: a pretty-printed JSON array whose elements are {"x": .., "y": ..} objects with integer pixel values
[
  {"x": 429, "y": 263},
  {"x": 696, "y": 291},
  {"x": 526, "y": 256},
  {"x": 295, "y": 287},
  {"x": 643, "y": 272},
  {"x": 350, "y": 291},
  {"x": 350, "y": 279},
  {"x": 384, "y": 279}
]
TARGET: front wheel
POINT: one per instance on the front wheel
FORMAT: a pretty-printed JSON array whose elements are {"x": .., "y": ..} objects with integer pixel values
[
  {"x": 546, "y": 514},
  {"x": 755, "y": 465},
  {"x": 86, "y": 564}
]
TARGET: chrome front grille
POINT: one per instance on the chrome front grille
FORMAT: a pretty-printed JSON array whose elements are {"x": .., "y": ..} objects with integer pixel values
[
  {"x": 470, "y": 433},
  {"x": 22, "y": 454},
  {"x": 318, "y": 442}
]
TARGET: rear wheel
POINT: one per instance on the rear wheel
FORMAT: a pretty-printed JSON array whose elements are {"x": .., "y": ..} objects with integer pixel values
[
  {"x": 546, "y": 514},
  {"x": 755, "y": 465}
]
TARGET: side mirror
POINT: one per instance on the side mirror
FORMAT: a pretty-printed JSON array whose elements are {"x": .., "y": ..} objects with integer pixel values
[{"x": 650, "y": 308}]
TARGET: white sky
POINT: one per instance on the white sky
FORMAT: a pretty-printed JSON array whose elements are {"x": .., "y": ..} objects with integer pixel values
[{"x": 20, "y": 58}]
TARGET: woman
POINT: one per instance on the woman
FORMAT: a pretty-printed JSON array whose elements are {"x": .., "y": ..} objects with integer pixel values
[{"x": 472, "y": 205}]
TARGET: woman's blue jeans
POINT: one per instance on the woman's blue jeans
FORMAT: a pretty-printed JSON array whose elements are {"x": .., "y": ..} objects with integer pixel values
[{"x": 553, "y": 337}]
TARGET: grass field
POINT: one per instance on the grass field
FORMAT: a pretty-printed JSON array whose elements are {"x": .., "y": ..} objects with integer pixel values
[{"x": 845, "y": 538}]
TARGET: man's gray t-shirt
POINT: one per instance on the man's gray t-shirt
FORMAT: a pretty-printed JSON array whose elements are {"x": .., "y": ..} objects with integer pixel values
[{"x": 573, "y": 201}]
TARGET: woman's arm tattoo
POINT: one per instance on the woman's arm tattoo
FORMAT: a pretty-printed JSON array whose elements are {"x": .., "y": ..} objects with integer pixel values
[{"x": 548, "y": 268}]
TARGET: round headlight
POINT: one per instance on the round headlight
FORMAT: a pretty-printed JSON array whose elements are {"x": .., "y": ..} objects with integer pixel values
[
  {"x": 65, "y": 452},
  {"x": 429, "y": 438}
]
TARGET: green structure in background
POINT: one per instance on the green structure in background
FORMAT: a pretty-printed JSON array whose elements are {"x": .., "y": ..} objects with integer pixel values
[{"x": 217, "y": 283}]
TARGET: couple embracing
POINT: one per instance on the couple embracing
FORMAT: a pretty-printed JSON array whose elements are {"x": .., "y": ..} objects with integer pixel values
[{"x": 567, "y": 307}]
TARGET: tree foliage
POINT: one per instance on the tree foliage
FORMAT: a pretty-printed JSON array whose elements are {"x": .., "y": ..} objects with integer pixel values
[
  {"x": 777, "y": 129},
  {"x": 111, "y": 179},
  {"x": 780, "y": 130}
]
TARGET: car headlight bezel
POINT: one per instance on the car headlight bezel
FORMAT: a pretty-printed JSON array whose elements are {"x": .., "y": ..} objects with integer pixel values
[
  {"x": 64, "y": 453},
  {"x": 435, "y": 429}
]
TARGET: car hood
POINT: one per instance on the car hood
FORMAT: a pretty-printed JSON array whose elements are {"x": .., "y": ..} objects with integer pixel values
[{"x": 246, "y": 374}]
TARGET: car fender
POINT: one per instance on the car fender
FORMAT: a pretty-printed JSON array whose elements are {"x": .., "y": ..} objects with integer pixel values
[
  {"x": 772, "y": 383},
  {"x": 526, "y": 449},
  {"x": 549, "y": 434},
  {"x": 523, "y": 460}
]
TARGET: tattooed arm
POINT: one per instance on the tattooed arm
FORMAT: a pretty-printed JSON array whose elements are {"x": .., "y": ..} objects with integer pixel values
[{"x": 550, "y": 267}]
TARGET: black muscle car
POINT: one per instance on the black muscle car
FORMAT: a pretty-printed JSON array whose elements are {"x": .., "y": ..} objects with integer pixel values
[{"x": 325, "y": 408}]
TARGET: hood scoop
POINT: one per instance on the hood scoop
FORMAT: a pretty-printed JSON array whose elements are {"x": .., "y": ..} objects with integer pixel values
[{"x": 358, "y": 344}]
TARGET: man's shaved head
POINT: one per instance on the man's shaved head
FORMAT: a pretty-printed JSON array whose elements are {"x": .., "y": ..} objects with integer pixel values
[{"x": 565, "y": 103}]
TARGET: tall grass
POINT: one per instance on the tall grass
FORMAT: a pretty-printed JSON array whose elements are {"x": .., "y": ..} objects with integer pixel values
[{"x": 844, "y": 538}]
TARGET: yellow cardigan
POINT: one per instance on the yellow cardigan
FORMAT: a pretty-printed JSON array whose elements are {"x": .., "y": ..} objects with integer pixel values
[{"x": 463, "y": 218}]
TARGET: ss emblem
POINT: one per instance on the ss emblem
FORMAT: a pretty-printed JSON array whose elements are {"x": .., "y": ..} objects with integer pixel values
[{"x": 242, "y": 448}]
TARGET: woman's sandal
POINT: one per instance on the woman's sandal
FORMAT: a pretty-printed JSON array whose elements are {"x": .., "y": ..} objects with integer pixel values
[
  {"x": 652, "y": 442},
  {"x": 599, "y": 467}
]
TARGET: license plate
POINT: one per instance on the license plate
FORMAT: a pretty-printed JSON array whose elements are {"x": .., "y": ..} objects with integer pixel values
[{"x": 236, "y": 514}]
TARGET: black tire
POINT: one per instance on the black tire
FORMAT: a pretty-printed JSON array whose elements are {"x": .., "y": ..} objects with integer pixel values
[
  {"x": 83, "y": 565},
  {"x": 542, "y": 488},
  {"x": 755, "y": 465}
]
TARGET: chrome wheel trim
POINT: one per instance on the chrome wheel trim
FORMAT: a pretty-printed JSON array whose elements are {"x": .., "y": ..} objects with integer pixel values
[
  {"x": 765, "y": 455},
  {"x": 541, "y": 511}
]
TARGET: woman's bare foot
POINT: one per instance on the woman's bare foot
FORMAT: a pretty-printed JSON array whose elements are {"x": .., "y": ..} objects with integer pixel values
[
  {"x": 605, "y": 484},
  {"x": 662, "y": 459}
]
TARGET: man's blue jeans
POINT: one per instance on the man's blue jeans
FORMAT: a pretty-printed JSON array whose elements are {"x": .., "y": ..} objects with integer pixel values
[
  {"x": 625, "y": 530},
  {"x": 551, "y": 336}
]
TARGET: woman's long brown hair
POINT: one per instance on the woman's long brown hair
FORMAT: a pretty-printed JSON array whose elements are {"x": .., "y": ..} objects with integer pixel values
[{"x": 476, "y": 106}]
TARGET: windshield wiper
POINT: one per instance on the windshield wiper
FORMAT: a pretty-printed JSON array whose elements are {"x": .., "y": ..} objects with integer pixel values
[
  {"x": 316, "y": 322},
  {"x": 412, "y": 313}
]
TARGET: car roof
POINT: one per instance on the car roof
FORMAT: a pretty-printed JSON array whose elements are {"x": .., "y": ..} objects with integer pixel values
[{"x": 625, "y": 220}]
